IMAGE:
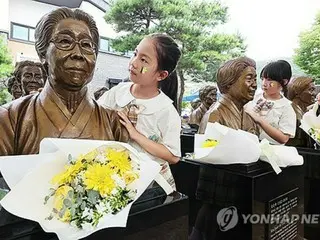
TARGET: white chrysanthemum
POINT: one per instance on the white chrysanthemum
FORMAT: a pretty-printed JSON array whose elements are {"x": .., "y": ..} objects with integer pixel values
[
  {"x": 119, "y": 181},
  {"x": 79, "y": 188},
  {"x": 81, "y": 175},
  {"x": 132, "y": 194},
  {"x": 101, "y": 207},
  {"x": 114, "y": 191},
  {"x": 101, "y": 158},
  {"x": 87, "y": 226},
  {"x": 87, "y": 213}
]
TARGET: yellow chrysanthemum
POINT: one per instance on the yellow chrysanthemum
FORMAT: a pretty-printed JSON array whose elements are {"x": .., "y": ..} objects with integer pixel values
[
  {"x": 98, "y": 177},
  {"x": 119, "y": 161},
  {"x": 69, "y": 174},
  {"x": 209, "y": 143},
  {"x": 59, "y": 196},
  {"x": 129, "y": 177}
]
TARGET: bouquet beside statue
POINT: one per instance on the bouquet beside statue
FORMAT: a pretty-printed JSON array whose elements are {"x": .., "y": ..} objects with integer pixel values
[
  {"x": 223, "y": 145},
  {"x": 76, "y": 187}
]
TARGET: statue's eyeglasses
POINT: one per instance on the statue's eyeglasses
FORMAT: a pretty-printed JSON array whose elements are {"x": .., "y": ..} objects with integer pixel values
[{"x": 66, "y": 43}]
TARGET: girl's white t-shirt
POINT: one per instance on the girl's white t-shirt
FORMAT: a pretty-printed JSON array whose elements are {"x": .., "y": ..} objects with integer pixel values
[
  {"x": 157, "y": 119},
  {"x": 281, "y": 115}
]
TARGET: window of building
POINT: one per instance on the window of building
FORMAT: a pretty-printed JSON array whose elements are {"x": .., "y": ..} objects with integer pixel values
[
  {"x": 22, "y": 32},
  {"x": 105, "y": 45}
]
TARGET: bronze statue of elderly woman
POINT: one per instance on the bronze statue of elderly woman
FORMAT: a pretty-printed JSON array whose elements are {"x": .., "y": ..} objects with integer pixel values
[
  {"x": 32, "y": 76},
  {"x": 66, "y": 41},
  {"x": 14, "y": 87},
  {"x": 236, "y": 80},
  {"x": 28, "y": 78},
  {"x": 208, "y": 96},
  {"x": 301, "y": 92}
]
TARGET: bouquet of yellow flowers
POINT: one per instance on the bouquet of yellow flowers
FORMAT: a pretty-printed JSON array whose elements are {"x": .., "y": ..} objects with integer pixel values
[
  {"x": 93, "y": 185},
  {"x": 76, "y": 187}
]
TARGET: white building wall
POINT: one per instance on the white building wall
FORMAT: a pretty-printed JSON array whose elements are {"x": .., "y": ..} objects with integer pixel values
[
  {"x": 105, "y": 30},
  {"x": 28, "y": 12},
  {"x": 4, "y": 15}
]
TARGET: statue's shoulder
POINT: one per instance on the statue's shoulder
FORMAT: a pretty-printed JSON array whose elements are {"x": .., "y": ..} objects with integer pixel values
[{"x": 17, "y": 106}]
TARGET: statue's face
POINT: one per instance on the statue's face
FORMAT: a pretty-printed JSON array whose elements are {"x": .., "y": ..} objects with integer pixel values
[
  {"x": 31, "y": 79},
  {"x": 309, "y": 94},
  {"x": 211, "y": 97},
  {"x": 71, "y": 56},
  {"x": 245, "y": 87},
  {"x": 16, "y": 90}
]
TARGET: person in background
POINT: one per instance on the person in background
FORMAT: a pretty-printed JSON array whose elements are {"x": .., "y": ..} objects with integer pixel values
[
  {"x": 146, "y": 111},
  {"x": 271, "y": 110}
]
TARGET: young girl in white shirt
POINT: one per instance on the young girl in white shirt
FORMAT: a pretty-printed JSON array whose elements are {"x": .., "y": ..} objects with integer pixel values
[
  {"x": 271, "y": 109},
  {"x": 146, "y": 111}
]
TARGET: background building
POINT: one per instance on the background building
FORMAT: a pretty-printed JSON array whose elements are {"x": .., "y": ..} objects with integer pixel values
[{"x": 18, "y": 19}]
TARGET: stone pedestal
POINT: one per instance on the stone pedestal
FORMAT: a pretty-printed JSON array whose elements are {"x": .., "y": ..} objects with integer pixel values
[
  {"x": 312, "y": 189},
  {"x": 239, "y": 189}
]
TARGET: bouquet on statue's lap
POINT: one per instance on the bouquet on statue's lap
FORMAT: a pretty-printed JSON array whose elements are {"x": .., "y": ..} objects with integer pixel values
[{"x": 76, "y": 187}]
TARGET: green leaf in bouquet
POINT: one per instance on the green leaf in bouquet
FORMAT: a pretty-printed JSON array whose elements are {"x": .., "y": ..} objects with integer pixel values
[
  {"x": 93, "y": 196},
  {"x": 73, "y": 211},
  {"x": 83, "y": 205},
  {"x": 67, "y": 203},
  {"x": 62, "y": 211},
  {"x": 70, "y": 194},
  {"x": 49, "y": 218},
  {"x": 46, "y": 199},
  {"x": 70, "y": 158},
  {"x": 3, "y": 192}
]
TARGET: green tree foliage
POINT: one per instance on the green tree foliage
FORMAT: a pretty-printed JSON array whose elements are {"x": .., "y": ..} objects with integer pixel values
[
  {"x": 307, "y": 56},
  {"x": 191, "y": 23},
  {"x": 6, "y": 69}
]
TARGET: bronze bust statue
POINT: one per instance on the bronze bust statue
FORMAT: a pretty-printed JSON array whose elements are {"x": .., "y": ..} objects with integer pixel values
[
  {"x": 31, "y": 75},
  {"x": 208, "y": 96},
  {"x": 66, "y": 41},
  {"x": 99, "y": 92},
  {"x": 14, "y": 87},
  {"x": 195, "y": 103},
  {"x": 301, "y": 91},
  {"x": 236, "y": 80}
]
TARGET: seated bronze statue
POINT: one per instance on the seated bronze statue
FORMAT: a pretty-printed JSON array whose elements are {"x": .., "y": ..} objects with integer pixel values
[
  {"x": 236, "y": 80},
  {"x": 208, "y": 96},
  {"x": 14, "y": 87},
  {"x": 301, "y": 91},
  {"x": 66, "y": 41}
]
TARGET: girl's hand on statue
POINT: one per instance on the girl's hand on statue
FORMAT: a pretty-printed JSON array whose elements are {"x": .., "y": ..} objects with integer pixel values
[
  {"x": 256, "y": 117},
  {"x": 124, "y": 120}
]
